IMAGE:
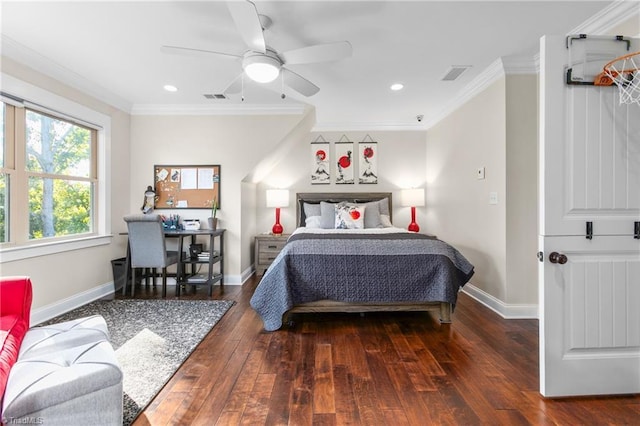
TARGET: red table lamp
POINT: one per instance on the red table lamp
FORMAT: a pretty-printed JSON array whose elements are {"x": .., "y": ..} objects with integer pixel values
[
  {"x": 277, "y": 198},
  {"x": 412, "y": 198}
]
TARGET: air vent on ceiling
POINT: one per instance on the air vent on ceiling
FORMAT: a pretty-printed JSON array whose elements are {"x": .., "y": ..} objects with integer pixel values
[
  {"x": 454, "y": 72},
  {"x": 215, "y": 96}
]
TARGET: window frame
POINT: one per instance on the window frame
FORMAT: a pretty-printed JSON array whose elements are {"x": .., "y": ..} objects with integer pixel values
[{"x": 23, "y": 95}]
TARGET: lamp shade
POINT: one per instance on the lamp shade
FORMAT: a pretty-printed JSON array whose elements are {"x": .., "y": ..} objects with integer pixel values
[
  {"x": 413, "y": 197},
  {"x": 261, "y": 68},
  {"x": 277, "y": 197}
]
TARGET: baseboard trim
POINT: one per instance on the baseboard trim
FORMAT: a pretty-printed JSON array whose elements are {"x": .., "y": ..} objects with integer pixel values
[
  {"x": 506, "y": 311},
  {"x": 58, "y": 308},
  {"x": 47, "y": 312}
]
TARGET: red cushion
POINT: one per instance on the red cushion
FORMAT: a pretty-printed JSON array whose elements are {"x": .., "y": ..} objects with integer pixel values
[{"x": 15, "y": 311}]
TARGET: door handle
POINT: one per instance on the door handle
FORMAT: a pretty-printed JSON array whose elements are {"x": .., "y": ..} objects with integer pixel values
[{"x": 556, "y": 257}]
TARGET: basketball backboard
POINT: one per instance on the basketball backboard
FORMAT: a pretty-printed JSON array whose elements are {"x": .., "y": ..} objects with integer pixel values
[{"x": 588, "y": 54}]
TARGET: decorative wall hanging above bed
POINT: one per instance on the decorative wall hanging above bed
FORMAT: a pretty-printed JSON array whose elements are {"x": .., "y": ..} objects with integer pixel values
[
  {"x": 321, "y": 171},
  {"x": 344, "y": 163},
  {"x": 368, "y": 154}
]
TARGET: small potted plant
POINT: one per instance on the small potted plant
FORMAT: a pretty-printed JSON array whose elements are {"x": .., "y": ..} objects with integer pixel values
[{"x": 213, "y": 221}]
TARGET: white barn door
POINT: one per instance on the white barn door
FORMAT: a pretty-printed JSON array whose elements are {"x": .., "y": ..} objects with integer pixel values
[{"x": 589, "y": 184}]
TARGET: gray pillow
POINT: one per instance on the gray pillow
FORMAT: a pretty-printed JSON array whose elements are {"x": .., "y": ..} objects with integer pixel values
[
  {"x": 384, "y": 206},
  {"x": 327, "y": 215},
  {"x": 372, "y": 215},
  {"x": 311, "y": 209}
]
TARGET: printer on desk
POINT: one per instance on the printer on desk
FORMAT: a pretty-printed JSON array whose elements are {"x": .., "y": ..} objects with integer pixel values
[{"x": 191, "y": 224}]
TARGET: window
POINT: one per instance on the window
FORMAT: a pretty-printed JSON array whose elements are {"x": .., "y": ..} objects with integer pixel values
[
  {"x": 60, "y": 178},
  {"x": 49, "y": 172},
  {"x": 5, "y": 133}
]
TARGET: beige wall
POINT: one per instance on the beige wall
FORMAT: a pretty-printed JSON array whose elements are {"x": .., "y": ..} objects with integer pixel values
[
  {"x": 400, "y": 165},
  {"x": 497, "y": 129},
  {"x": 63, "y": 276},
  {"x": 237, "y": 143},
  {"x": 522, "y": 189},
  {"x": 257, "y": 152},
  {"x": 458, "y": 209}
]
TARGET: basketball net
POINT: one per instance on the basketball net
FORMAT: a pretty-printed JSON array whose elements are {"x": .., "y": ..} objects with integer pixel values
[{"x": 625, "y": 74}]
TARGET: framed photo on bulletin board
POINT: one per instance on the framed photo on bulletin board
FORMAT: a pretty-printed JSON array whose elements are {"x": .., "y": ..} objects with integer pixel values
[{"x": 186, "y": 187}]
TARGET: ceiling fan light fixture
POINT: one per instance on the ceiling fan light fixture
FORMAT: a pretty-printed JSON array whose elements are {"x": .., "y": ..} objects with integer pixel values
[{"x": 261, "y": 68}]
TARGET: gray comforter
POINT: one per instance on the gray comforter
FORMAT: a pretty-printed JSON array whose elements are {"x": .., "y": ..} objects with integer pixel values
[{"x": 361, "y": 267}]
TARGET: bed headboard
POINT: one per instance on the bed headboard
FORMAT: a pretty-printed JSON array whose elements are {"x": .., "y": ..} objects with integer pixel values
[{"x": 336, "y": 197}]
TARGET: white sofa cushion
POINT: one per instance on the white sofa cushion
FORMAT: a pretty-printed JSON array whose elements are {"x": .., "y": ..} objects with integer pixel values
[
  {"x": 64, "y": 335},
  {"x": 77, "y": 385}
]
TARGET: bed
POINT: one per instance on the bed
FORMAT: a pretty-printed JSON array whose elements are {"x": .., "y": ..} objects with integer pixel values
[{"x": 376, "y": 268}]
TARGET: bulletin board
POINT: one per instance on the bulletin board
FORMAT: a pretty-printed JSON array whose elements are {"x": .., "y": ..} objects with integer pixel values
[{"x": 186, "y": 187}]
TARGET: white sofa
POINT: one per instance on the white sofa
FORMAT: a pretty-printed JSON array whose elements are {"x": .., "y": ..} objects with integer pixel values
[{"x": 66, "y": 374}]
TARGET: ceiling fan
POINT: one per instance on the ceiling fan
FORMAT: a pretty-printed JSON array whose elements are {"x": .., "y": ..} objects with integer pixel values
[{"x": 263, "y": 64}]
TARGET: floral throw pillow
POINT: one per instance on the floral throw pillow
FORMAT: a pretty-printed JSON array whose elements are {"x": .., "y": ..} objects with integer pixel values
[{"x": 349, "y": 216}]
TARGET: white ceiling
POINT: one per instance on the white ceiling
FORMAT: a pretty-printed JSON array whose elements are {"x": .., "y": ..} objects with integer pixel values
[{"x": 112, "y": 50}]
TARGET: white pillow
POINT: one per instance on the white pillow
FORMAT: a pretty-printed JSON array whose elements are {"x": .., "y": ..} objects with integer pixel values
[
  {"x": 313, "y": 222},
  {"x": 349, "y": 216}
]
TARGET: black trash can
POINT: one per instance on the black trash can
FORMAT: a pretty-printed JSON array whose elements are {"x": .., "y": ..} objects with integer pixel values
[{"x": 119, "y": 272}]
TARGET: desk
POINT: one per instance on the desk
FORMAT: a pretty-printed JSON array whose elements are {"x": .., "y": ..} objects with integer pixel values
[{"x": 182, "y": 275}]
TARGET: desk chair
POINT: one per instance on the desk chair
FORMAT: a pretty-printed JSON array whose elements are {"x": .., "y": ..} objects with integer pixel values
[{"x": 147, "y": 248}]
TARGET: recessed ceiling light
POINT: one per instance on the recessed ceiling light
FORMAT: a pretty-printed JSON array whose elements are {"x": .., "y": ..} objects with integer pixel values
[
  {"x": 170, "y": 88},
  {"x": 397, "y": 86}
]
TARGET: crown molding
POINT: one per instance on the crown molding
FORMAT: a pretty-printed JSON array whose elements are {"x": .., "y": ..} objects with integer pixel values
[
  {"x": 523, "y": 64},
  {"x": 362, "y": 127},
  {"x": 32, "y": 59},
  {"x": 492, "y": 73},
  {"x": 609, "y": 17},
  {"x": 245, "y": 109}
]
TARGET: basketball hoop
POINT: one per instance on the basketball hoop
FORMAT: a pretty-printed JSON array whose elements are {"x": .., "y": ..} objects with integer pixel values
[{"x": 624, "y": 73}]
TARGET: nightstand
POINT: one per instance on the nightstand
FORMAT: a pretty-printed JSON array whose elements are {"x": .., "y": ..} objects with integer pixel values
[{"x": 267, "y": 247}]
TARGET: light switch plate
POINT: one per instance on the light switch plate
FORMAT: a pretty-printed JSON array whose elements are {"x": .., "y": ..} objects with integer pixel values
[
  {"x": 493, "y": 198},
  {"x": 480, "y": 173}
]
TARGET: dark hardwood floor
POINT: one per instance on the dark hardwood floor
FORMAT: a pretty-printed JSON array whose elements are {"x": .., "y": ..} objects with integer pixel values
[{"x": 376, "y": 369}]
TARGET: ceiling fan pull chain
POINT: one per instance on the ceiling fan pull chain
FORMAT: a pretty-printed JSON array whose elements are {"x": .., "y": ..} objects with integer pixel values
[
  {"x": 242, "y": 82},
  {"x": 282, "y": 85}
]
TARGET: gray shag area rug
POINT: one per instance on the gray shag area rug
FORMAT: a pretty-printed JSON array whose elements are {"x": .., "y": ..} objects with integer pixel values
[{"x": 152, "y": 339}]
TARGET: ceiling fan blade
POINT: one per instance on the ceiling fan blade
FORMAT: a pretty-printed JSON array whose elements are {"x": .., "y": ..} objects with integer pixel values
[
  {"x": 245, "y": 15},
  {"x": 235, "y": 86},
  {"x": 178, "y": 50},
  {"x": 318, "y": 53},
  {"x": 299, "y": 83}
]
